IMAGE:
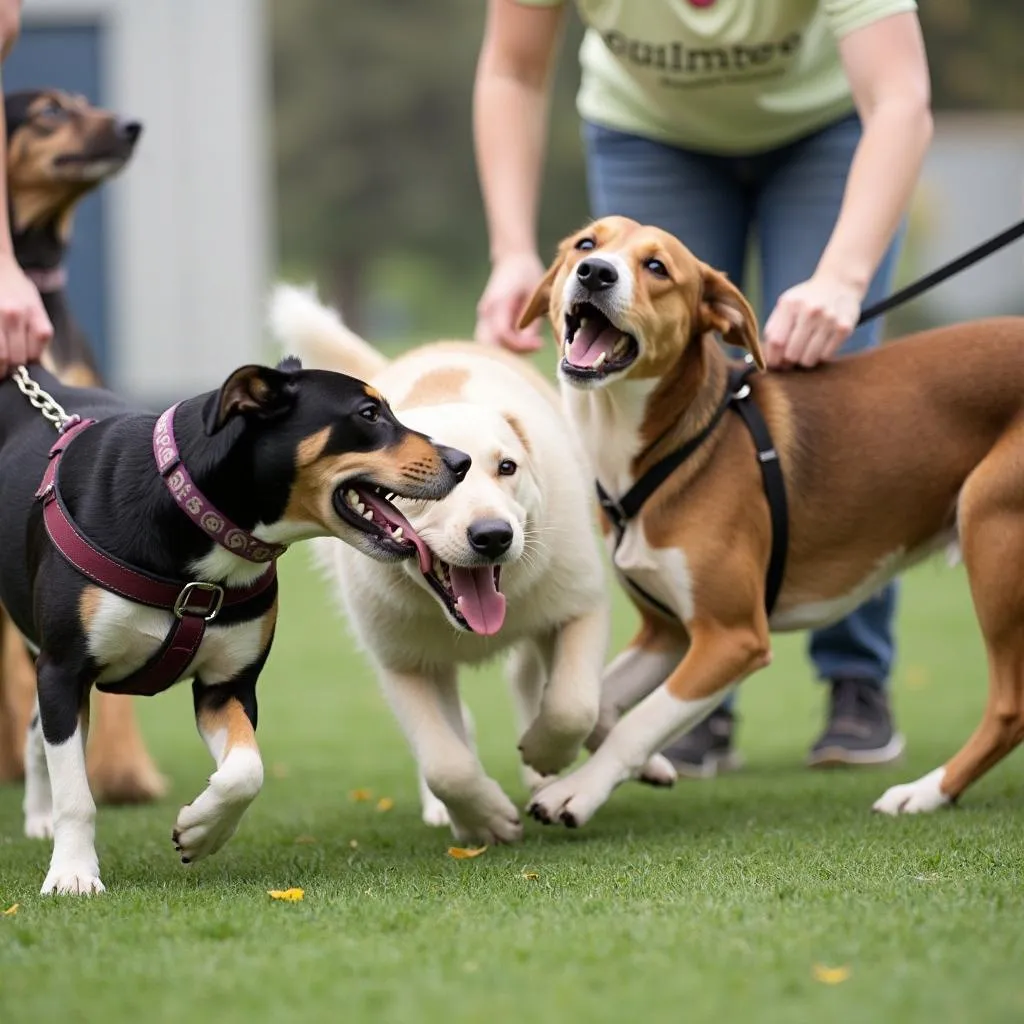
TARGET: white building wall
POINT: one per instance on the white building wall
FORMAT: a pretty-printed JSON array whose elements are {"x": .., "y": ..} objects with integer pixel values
[{"x": 190, "y": 216}]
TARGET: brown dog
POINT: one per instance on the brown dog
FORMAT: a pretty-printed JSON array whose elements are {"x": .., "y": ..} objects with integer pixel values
[
  {"x": 59, "y": 149},
  {"x": 886, "y": 456}
]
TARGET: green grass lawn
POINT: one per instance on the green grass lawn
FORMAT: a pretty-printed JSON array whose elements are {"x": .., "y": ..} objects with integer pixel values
[{"x": 709, "y": 902}]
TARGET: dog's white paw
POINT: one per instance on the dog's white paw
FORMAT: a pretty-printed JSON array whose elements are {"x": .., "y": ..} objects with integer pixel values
[
  {"x": 574, "y": 800},
  {"x": 918, "y": 797},
  {"x": 39, "y": 825},
  {"x": 435, "y": 814},
  {"x": 487, "y": 817},
  {"x": 202, "y": 829},
  {"x": 659, "y": 771},
  {"x": 548, "y": 751},
  {"x": 72, "y": 879}
]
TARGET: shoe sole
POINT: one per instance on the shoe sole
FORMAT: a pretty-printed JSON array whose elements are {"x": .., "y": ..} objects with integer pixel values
[
  {"x": 836, "y": 756},
  {"x": 712, "y": 765}
]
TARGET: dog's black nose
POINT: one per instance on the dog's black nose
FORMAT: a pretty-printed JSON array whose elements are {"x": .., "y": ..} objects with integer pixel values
[
  {"x": 596, "y": 275},
  {"x": 458, "y": 462},
  {"x": 490, "y": 537},
  {"x": 129, "y": 130}
]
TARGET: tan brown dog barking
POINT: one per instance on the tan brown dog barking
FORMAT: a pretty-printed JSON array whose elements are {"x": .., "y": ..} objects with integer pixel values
[
  {"x": 59, "y": 149},
  {"x": 886, "y": 456}
]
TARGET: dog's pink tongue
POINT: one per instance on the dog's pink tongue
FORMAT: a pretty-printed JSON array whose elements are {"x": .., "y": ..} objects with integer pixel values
[
  {"x": 481, "y": 604},
  {"x": 590, "y": 342}
]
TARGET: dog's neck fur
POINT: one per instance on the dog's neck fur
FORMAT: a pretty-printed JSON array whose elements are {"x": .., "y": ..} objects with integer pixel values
[{"x": 629, "y": 425}]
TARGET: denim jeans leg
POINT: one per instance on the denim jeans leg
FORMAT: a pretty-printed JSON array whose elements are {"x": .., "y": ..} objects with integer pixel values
[{"x": 797, "y": 210}]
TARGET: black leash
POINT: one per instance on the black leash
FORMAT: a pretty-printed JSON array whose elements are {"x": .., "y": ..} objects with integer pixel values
[
  {"x": 969, "y": 258},
  {"x": 737, "y": 398}
]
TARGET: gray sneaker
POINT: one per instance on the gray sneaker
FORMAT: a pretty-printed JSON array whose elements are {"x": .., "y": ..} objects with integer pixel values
[
  {"x": 860, "y": 729},
  {"x": 707, "y": 748}
]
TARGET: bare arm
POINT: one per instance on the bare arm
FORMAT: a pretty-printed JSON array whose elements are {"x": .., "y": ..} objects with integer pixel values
[
  {"x": 887, "y": 68},
  {"x": 510, "y": 102},
  {"x": 24, "y": 326}
]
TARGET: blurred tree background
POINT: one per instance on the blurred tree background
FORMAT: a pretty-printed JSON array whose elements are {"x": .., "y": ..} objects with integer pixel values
[{"x": 377, "y": 197}]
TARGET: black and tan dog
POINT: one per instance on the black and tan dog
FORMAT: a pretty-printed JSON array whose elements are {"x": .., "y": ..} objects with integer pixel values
[
  {"x": 279, "y": 455},
  {"x": 59, "y": 149}
]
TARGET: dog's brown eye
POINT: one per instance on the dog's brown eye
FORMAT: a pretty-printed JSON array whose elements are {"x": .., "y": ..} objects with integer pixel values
[
  {"x": 370, "y": 412},
  {"x": 586, "y": 243},
  {"x": 656, "y": 267},
  {"x": 506, "y": 467}
]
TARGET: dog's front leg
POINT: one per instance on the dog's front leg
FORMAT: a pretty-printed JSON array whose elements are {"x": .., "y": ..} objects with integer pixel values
[
  {"x": 718, "y": 658},
  {"x": 429, "y": 711},
  {"x": 569, "y": 702},
  {"x": 226, "y": 719},
  {"x": 63, "y": 723}
]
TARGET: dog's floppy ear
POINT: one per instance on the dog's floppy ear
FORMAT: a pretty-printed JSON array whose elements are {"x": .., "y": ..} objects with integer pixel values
[
  {"x": 540, "y": 299},
  {"x": 724, "y": 309},
  {"x": 256, "y": 391}
]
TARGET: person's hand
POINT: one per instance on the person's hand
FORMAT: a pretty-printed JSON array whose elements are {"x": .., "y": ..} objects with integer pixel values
[
  {"x": 810, "y": 322},
  {"x": 513, "y": 280},
  {"x": 24, "y": 326}
]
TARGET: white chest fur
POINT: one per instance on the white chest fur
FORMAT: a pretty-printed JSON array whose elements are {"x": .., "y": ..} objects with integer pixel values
[
  {"x": 123, "y": 636},
  {"x": 662, "y": 572}
]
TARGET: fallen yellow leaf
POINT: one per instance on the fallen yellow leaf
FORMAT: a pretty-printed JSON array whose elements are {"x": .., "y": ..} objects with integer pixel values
[
  {"x": 12, "y": 910},
  {"x": 354, "y": 843},
  {"x": 385, "y": 803},
  {"x": 531, "y": 876},
  {"x": 463, "y": 853},
  {"x": 305, "y": 840},
  {"x": 289, "y": 895},
  {"x": 831, "y": 975},
  {"x": 360, "y": 795}
]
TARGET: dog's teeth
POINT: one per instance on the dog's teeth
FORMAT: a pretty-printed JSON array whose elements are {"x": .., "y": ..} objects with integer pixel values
[
  {"x": 566, "y": 348},
  {"x": 458, "y": 602},
  {"x": 620, "y": 347},
  {"x": 390, "y": 496},
  {"x": 368, "y": 514},
  {"x": 438, "y": 571},
  {"x": 597, "y": 363},
  {"x": 583, "y": 322},
  {"x": 398, "y": 533},
  {"x": 352, "y": 498}
]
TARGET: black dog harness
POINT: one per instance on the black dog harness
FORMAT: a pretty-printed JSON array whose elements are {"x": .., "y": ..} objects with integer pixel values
[{"x": 737, "y": 398}]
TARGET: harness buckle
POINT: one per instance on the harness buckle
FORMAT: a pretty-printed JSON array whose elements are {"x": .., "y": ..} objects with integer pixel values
[
  {"x": 615, "y": 511},
  {"x": 740, "y": 393},
  {"x": 182, "y": 607}
]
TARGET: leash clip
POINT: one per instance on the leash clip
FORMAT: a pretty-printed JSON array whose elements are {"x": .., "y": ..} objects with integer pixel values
[{"x": 212, "y": 609}]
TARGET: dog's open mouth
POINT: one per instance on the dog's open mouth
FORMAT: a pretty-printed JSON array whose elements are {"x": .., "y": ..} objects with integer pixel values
[
  {"x": 368, "y": 508},
  {"x": 470, "y": 593},
  {"x": 594, "y": 346}
]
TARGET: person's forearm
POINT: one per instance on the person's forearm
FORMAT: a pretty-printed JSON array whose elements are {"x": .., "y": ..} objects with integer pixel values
[
  {"x": 881, "y": 181},
  {"x": 10, "y": 26}
]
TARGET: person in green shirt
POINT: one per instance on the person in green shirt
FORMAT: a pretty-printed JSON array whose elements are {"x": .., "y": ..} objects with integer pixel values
[
  {"x": 801, "y": 122},
  {"x": 25, "y": 328}
]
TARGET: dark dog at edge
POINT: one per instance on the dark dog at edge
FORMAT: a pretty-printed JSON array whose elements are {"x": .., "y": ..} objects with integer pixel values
[{"x": 286, "y": 454}]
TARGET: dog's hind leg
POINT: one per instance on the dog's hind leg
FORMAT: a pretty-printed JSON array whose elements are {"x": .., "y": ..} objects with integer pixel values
[
  {"x": 120, "y": 768},
  {"x": 17, "y": 698},
  {"x": 63, "y": 721},
  {"x": 991, "y": 513},
  {"x": 226, "y": 716}
]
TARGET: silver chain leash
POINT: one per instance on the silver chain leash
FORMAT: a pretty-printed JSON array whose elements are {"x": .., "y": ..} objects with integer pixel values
[{"x": 51, "y": 409}]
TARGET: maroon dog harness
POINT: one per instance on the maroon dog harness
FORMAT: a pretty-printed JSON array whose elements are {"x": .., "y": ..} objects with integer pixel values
[{"x": 193, "y": 603}]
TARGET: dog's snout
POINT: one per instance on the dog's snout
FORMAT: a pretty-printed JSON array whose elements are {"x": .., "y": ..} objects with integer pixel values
[
  {"x": 458, "y": 462},
  {"x": 596, "y": 275},
  {"x": 490, "y": 537},
  {"x": 128, "y": 130}
]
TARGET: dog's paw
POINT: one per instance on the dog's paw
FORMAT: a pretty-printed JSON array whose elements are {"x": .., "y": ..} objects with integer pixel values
[
  {"x": 574, "y": 800},
  {"x": 659, "y": 771},
  {"x": 39, "y": 825},
  {"x": 73, "y": 879},
  {"x": 488, "y": 817},
  {"x": 434, "y": 814},
  {"x": 548, "y": 751},
  {"x": 201, "y": 829},
  {"x": 918, "y": 797}
]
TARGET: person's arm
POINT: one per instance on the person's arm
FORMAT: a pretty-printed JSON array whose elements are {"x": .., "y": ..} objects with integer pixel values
[
  {"x": 886, "y": 65},
  {"x": 510, "y": 101},
  {"x": 24, "y": 326}
]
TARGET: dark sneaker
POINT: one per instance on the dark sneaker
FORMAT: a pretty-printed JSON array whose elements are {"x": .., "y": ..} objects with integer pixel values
[
  {"x": 707, "y": 748},
  {"x": 860, "y": 728}
]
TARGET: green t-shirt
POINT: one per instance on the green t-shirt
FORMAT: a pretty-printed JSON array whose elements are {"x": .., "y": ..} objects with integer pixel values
[{"x": 725, "y": 76}]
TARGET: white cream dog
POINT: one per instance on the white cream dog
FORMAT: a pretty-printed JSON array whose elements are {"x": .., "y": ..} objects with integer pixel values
[{"x": 508, "y": 563}]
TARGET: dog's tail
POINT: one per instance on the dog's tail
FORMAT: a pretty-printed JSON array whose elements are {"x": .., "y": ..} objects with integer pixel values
[{"x": 314, "y": 332}]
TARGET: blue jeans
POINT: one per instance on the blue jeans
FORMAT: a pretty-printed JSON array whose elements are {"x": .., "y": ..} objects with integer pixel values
[{"x": 790, "y": 197}]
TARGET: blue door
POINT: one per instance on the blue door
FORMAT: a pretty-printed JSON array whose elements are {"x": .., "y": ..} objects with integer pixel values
[{"x": 68, "y": 57}]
